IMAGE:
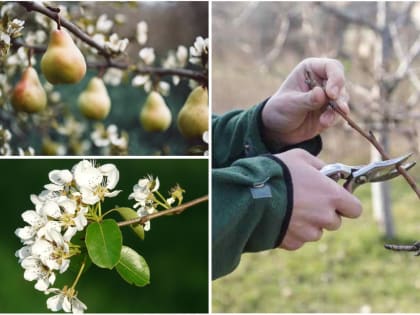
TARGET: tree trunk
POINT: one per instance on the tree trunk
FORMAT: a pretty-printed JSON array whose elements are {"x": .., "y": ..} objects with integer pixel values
[{"x": 381, "y": 197}]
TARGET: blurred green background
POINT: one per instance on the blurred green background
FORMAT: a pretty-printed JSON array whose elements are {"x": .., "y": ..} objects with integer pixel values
[{"x": 176, "y": 247}]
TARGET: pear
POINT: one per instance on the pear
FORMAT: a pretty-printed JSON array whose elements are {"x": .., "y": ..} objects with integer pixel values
[
  {"x": 94, "y": 101},
  {"x": 29, "y": 95},
  {"x": 155, "y": 114},
  {"x": 193, "y": 118},
  {"x": 63, "y": 62}
]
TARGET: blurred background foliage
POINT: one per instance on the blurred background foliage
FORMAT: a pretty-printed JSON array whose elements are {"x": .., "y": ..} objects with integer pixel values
[
  {"x": 176, "y": 247},
  {"x": 255, "y": 45},
  {"x": 170, "y": 24}
]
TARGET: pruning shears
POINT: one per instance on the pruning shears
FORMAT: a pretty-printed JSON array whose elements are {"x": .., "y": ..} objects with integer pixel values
[{"x": 355, "y": 176}]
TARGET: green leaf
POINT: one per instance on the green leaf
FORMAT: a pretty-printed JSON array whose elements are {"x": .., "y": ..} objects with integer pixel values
[
  {"x": 104, "y": 242},
  {"x": 128, "y": 214},
  {"x": 133, "y": 268}
]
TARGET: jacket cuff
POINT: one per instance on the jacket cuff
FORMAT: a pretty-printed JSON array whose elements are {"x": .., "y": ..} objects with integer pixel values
[{"x": 289, "y": 198}]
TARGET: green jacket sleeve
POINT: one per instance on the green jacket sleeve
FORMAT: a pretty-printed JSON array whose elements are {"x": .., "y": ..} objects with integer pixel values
[
  {"x": 252, "y": 204},
  {"x": 236, "y": 135},
  {"x": 252, "y": 195}
]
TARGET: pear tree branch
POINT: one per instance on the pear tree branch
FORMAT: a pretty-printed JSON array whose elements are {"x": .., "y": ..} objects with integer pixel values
[
  {"x": 311, "y": 82},
  {"x": 175, "y": 210},
  {"x": 108, "y": 62}
]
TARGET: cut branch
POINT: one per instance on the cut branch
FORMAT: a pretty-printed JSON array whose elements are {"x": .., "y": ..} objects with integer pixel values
[
  {"x": 368, "y": 136},
  {"x": 176, "y": 210}
]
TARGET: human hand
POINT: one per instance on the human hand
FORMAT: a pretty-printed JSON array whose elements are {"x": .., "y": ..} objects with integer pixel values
[
  {"x": 318, "y": 201},
  {"x": 295, "y": 113}
]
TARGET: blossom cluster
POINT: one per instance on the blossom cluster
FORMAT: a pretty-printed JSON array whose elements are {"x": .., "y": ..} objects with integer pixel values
[{"x": 61, "y": 210}]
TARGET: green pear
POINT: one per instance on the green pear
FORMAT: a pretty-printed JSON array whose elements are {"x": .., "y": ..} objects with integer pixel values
[
  {"x": 63, "y": 62},
  {"x": 155, "y": 114},
  {"x": 94, "y": 101},
  {"x": 193, "y": 118},
  {"x": 29, "y": 95}
]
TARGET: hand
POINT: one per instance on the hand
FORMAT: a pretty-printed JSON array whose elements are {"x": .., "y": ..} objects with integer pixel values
[
  {"x": 318, "y": 201},
  {"x": 295, "y": 113}
]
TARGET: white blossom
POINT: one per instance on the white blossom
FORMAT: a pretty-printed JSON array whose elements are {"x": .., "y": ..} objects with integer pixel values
[
  {"x": 182, "y": 55},
  {"x": 113, "y": 76},
  {"x": 59, "y": 180},
  {"x": 65, "y": 300},
  {"x": 116, "y": 45},
  {"x": 140, "y": 80},
  {"x": 35, "y": 270},
  {"x": 141, "y": 32},
  {"x": 102, "y": 137},
  {"x": 164, "y": 88},
  {"x": 15, "y": 27},
  {"x": 147, "y": 54},
  {"x": 103, "y": 24},
  {"x": 199, "y": 49},
  {"x": 95, "y": 183},
  {"x": 143, "y": 194}
]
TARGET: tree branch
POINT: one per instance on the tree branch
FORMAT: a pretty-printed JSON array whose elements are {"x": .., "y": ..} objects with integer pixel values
[
  {"x": 176, "y": 210},
  {"x": 37, "y": 7},
  {"x": 342, "y": 15},
  {"x": 368, "y": 136}
]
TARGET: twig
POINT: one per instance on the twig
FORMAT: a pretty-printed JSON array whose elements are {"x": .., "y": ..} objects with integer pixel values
[
  {"x": 405, "y": 248},
  {"x": 176, "y": 210},
  {"x": 368, "y": 136}
]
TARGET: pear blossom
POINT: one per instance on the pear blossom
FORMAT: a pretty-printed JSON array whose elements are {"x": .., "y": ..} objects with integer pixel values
[
  {"x": 95, "y": 183},
  {"x": 103, "y": 24},
  {"x": 141, "y": 32},
  {"x": 116, "y": 45},
  {"x": 113, "y": 76},
  {"x": 59, "y": 180},
  {"x": 199, "y": 49},
  {"x": 147, "y": 54},
  {"x": 65, "y": 300},
  {"x": 143, "y": 194},
  {"x": 35, "y": 270}
]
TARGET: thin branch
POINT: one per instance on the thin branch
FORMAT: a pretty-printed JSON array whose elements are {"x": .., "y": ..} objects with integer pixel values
[
  {"x": 187, "y": 73},
  {"x": 176, "y": 210},
  {"x": 37, "y": 7},
  {"x": 368, "y": 136}
]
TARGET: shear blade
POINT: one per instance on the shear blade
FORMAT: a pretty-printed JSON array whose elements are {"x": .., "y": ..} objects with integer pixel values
[{"x": 383, "y": 170}]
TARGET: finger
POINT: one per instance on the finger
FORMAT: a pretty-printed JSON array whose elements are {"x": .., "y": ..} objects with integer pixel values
[
  {"x": 342, "y": 102},
  {"x": 328, "y": 118},
  {"x": 333, "y": 223},
  {"x": 331, "y": 70},
  {"x": 311, "y": 100},
  {"x": 308, "y": 158},
  {"x": 290, "y": 243},
  {"x": 347, "y": 204}
]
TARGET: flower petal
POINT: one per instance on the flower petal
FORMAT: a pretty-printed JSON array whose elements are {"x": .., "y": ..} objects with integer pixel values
[
  {"x": 55, "y": 303},
  {"x": 60, "y": 177}
]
